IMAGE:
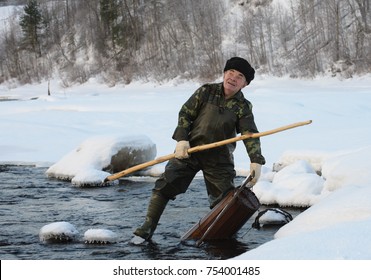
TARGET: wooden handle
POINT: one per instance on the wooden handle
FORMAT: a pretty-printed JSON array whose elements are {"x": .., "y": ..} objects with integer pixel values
[
  {"x": 202, "y": 148},
  {"x": 139, "y": 167},
  {"x": 245, "y": 136}
]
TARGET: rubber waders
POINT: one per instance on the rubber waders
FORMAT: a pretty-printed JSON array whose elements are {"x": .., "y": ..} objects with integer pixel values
[{"x": 156, "y": 206}]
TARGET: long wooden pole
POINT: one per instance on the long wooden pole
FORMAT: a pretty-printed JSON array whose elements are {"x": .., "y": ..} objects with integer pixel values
[{"x": 202, "y": 148}]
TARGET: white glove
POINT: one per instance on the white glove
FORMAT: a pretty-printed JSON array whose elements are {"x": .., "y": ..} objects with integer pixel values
[
  {"x": 255, "y": 171},
  {"x": 181, "y": 149}
]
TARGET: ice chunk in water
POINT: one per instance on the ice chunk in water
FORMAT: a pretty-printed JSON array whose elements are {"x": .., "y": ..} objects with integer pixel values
[
  {"x": 100, "y": 236},
  {"x": 58, "y": 232}
]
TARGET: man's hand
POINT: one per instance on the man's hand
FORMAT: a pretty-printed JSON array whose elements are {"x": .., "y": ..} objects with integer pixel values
[
  {"x": 181, "y": 149},
  {"x": 255, "y": 171}
]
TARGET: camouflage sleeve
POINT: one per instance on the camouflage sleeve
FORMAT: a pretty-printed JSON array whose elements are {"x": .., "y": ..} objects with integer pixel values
[
  {"x": 188, "y": 114},
  {"x": 253, "y": 148},
  {"x": 247, "y": 125}
]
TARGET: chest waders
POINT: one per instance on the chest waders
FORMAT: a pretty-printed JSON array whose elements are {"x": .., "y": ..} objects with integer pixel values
[{"x": 217, "y": 166}]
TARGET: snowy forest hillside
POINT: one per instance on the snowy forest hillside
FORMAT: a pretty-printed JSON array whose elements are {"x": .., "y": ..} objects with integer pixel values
[{"x": 158, "y": 40}]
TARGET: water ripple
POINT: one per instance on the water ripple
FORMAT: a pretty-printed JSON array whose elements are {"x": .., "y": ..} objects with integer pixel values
[{"x": 29, "y": 200}]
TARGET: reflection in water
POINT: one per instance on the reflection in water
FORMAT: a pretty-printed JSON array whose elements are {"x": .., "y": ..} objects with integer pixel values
[{"x": 29, "y": 200}]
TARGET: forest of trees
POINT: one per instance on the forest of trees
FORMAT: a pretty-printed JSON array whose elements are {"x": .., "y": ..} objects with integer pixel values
[{"x": 124, "y": 40}]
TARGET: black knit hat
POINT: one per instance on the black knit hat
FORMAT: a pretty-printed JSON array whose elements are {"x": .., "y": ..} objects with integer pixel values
[{"x": 241, "y": 65}]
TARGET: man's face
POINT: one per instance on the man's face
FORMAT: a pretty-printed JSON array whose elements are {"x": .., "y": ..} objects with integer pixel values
[{"x": 233, "y": 81}]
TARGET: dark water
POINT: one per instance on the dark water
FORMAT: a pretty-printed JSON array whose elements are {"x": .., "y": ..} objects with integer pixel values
[{"x": 29, "y": 200}]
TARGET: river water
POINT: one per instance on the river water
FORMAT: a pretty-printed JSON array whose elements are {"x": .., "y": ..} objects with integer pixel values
[{"x": 29, "y": 200}]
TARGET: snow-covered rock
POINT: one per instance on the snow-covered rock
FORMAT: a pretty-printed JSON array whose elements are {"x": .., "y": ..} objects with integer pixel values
[
  {"x": 100, "y": 236},
  {"x": 97, "y": 157},
  {"x": 286, "y": 187},
  {"x": 58, "y": 232}
]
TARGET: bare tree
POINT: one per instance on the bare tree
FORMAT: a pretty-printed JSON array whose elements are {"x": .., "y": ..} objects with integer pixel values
[{"x": 122, "y": 40}]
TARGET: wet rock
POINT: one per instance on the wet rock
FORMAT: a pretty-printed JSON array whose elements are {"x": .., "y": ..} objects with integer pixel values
[{"x": 130, "y": 156}]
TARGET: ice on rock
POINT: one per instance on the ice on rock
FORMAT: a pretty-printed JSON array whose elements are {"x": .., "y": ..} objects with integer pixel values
[
  {"x": 102, "y": 236},
  {"x": 58, "y": 232},
  {"x": 272, "y": 216}
]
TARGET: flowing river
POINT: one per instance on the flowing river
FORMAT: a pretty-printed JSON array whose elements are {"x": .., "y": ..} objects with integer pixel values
[{"x": 30, "y": 200}]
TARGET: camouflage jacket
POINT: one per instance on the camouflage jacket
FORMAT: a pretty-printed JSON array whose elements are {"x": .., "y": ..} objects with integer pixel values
[{"x": 208, "y": 117}]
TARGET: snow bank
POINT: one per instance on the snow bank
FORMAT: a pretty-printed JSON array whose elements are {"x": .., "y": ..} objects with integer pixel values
[
  {"x": 336, "y": 225},
  {"x": 344, "y": 241},
  {"x": 349, "y": 168},
  {"x": 345, "y": 205},
  {"x": 296, "y": 184}
]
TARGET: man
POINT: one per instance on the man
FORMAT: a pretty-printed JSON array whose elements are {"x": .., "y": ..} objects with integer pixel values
[{"x": 213, "y": 113}]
